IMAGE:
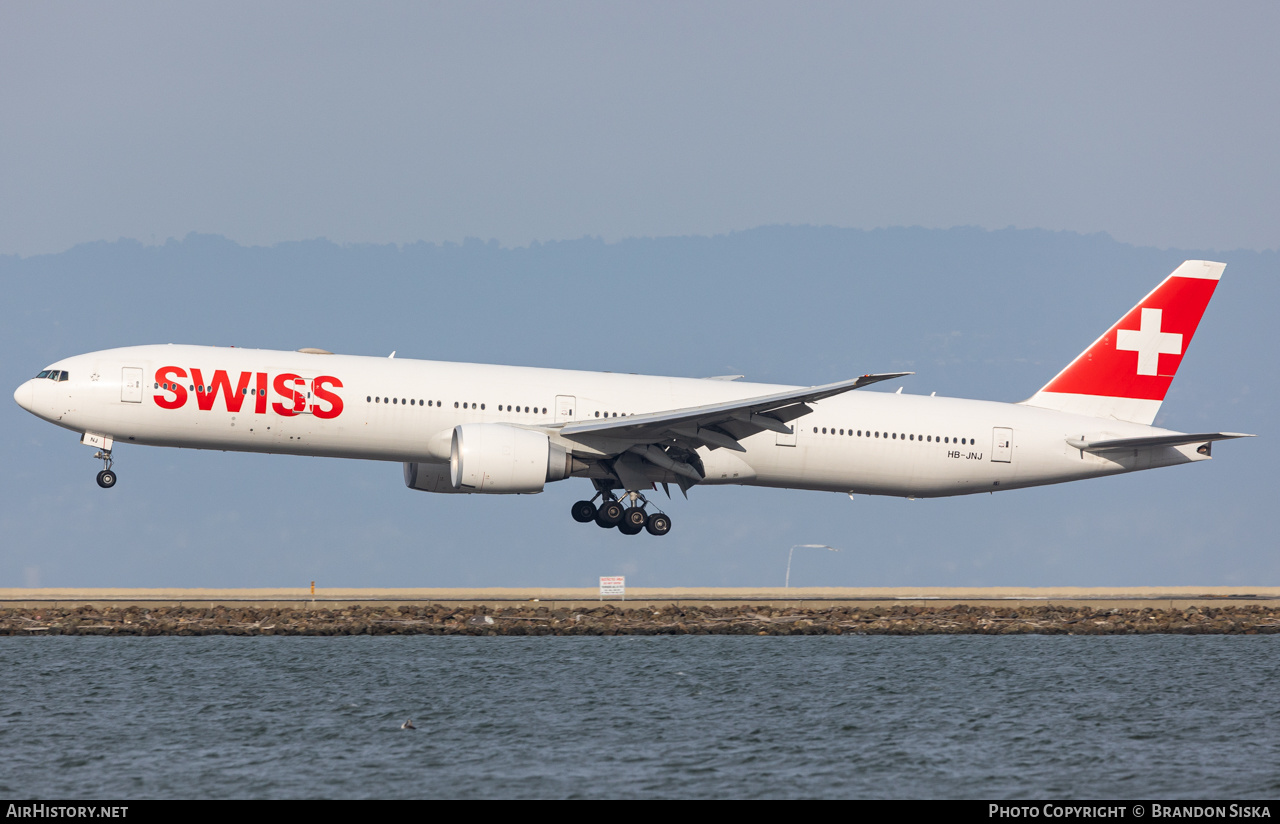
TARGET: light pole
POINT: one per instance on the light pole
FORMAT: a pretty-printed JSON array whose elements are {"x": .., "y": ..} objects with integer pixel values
[{"x": 803, "y": 546}]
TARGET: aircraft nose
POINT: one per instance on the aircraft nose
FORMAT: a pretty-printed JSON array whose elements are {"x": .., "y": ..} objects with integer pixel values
[{"x": 23, "y": 395}]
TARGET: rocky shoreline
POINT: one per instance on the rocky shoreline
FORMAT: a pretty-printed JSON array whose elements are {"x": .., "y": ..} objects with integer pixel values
[{"x": 619, "y": 619}]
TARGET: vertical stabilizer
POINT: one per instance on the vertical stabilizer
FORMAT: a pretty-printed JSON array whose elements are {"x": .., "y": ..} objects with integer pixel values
[{"x": 1125, "y": 373}]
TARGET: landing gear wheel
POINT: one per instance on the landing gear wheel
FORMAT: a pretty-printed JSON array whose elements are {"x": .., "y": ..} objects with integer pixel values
[
  {"x": 658, "y": 524},
  {"x": 584, "y": 512},
  {"x": 106, "y": 479},
  {"x": 627, "y": 528},
  {"x": 634, "y": 519},
  {"x": 609, "y": 514}
]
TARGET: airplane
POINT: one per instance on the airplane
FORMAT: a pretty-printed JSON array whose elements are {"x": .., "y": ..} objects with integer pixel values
[{"x": 467, "y": 428}]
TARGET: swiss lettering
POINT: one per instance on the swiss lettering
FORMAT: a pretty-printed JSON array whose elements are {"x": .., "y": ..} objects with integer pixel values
[
  {"x": 320, "y": 387},
  {"x": 295, "y": 401},
  {"x": 260, "y": 399},
  {"x": 174, "y": 394},
  {"x": 206, "y": 394},
  {"x": 291, "y": 389}
]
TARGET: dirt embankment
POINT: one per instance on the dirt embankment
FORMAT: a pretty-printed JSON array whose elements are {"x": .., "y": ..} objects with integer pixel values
[{"x": 611, "y": 619}]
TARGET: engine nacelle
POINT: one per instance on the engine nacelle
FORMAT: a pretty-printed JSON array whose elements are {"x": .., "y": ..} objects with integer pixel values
[
  {"x": 429, "y": 477},
  {"x": 495, "y": 459},
  {"x": 498, "y": 459}
]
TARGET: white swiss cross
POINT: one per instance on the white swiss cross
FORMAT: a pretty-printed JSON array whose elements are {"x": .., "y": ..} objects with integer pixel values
[{"x": 1149, "y": 342}]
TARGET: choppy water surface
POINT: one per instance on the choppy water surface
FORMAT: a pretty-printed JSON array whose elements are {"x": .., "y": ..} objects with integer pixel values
[{"x": 1011, "y": 717}]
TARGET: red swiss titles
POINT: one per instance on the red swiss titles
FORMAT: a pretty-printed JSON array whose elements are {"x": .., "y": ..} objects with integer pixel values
[{"x": 293, "y": 390}]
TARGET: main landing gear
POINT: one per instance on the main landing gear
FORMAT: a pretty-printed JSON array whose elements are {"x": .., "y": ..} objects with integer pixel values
[
  {"x": 106, "y": 478},
  {"x": 629, "y": 520}
]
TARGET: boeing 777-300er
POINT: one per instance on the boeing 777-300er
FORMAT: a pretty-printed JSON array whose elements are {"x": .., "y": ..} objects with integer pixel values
[{"x": 475, "y": 428}]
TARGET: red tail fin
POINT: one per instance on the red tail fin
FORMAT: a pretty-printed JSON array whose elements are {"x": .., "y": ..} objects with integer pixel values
[{"x": 1126, "y": 372}]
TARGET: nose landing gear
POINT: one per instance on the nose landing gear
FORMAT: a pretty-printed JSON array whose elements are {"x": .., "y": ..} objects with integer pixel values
[
  {"x": 630, "y": 520},
  {"x": 106, "y": 478}
]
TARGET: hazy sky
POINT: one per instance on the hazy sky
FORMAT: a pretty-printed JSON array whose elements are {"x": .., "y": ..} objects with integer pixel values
[{"x": 1154, "y": 122}]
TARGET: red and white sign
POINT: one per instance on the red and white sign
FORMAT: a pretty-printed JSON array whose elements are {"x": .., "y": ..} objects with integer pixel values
[{"x": 616, "y": 585}]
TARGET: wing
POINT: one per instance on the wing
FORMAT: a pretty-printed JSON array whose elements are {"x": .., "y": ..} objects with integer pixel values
[
  {"x": 716, "y": 426},
  {"x": 1152, "y": 441}
]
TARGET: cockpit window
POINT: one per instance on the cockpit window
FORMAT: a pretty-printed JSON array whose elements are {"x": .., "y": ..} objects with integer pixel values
[
  {"x": 62, "y": 376},
  {"x": 53, "y": 375},
  {"x": 43, "y": 374}
]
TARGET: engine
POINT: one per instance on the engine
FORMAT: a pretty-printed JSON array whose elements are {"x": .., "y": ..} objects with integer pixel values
[
  {"x": 496, "y": 459},
  {"x": 429, "y": 477}
]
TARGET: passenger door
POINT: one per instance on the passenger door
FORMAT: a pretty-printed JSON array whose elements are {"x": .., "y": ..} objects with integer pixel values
[
  {"x": 565, "y": 408},
  {"x": 131, "y": 384},
  {"x": 1002, "y": 444}
]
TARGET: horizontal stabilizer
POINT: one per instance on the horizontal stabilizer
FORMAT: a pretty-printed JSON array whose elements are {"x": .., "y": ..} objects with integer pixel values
[{"x": 1152, "y": 441}]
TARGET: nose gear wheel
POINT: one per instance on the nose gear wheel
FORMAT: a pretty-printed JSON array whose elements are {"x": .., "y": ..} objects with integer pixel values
[{"x": 106, "y": 478}]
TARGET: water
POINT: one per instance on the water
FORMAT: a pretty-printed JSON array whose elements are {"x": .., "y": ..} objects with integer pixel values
[{"x": 971, "y": 716}]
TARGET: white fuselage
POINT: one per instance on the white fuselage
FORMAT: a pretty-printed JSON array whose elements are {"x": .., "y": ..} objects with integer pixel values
[{"x": 398, "y": 410}]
